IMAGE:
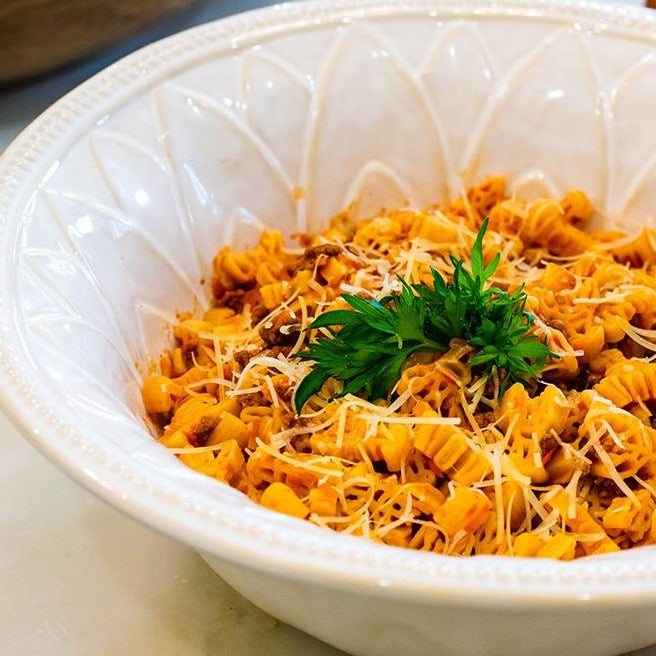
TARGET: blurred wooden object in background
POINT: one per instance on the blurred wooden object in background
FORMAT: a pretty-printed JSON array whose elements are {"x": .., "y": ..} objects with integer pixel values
[{"x": 39, "y": 35}]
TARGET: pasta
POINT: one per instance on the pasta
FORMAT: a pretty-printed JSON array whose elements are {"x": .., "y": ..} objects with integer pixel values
[{"x": 450, "y": 461}]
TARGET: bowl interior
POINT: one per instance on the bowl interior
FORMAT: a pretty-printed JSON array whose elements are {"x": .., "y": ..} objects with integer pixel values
[{"x": 118, "y": 198}]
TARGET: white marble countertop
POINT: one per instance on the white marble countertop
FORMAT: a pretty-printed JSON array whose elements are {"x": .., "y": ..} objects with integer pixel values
[{"x": 77, "y": 578}]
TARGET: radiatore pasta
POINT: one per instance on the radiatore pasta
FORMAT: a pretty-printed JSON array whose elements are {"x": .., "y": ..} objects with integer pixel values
[{"x": 563, "y": 467}]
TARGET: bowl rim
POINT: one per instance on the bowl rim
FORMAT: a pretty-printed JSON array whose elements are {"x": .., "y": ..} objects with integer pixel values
[{"x": 293, "y": 548}]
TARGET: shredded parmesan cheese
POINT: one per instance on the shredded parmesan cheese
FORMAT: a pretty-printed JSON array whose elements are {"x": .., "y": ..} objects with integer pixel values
[{"x": 453, "y": 460}]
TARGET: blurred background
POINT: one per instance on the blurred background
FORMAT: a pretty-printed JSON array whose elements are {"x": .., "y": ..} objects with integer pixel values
[{"x": 47, "y": 47}]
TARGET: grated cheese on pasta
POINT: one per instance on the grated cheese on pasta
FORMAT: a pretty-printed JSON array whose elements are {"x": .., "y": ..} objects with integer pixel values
[{"x": 564, "y": 469}]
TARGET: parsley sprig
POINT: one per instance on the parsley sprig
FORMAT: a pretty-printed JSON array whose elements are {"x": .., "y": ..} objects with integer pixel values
[{"x": 377, "y": 337}]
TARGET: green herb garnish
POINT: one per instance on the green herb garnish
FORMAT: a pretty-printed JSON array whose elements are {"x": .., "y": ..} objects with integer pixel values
[{"x": 376, "y": 337}]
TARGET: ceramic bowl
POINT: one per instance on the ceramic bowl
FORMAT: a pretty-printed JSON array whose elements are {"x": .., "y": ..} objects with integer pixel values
[{"x": 114, "y": 201}]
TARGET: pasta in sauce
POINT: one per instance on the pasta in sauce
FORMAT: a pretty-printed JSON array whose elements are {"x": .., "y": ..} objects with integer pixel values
[{"x": 562, "y": 469}]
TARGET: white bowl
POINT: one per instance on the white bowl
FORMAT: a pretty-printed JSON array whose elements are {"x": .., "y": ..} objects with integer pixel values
[{"x": 113, "y": 202}]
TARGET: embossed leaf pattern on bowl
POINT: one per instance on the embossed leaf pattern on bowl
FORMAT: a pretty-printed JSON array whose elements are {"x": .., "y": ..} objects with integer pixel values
[{"x": 368, "y": 126}]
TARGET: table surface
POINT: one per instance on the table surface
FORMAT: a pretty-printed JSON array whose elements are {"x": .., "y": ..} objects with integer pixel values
[{"x": 76, "y": 576}]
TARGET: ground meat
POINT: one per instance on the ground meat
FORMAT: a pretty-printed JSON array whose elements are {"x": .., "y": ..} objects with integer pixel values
[
  {"x": 284, "y": 389},
  {"x": 161, "y": 419},
  {"x": 631, "y": 349},
  {"x": 275, "y": 351},
  {"x": 243, "y": 357},
  {"x": 271, "y": 333},
  {"x": 311, "y": 254},
  {"x": 252, "y": 399},
  {"x": 258, "y": 312},
  {"x": 606, "y": 488},
  {"x": 231, "y": 298},
  {"x": 218, "y": 290},
  {"x": 548, "y": 444},
  {"x": 237, "y": 299},
  {"x": 584, "y": 380},
  {"x": 571, "y": 433}
]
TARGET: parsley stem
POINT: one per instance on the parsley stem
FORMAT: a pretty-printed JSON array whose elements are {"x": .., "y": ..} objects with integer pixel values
[{"x": 376, "y": 337}]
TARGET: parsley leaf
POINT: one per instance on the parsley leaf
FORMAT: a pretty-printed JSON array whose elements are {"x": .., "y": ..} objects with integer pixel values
[
  {"x": 377, "y": 337},
  {"x": 368, "y": 353}
]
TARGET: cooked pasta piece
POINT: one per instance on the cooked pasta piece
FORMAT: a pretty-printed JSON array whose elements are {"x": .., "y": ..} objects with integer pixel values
[{"x": 450, "y": 459}]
